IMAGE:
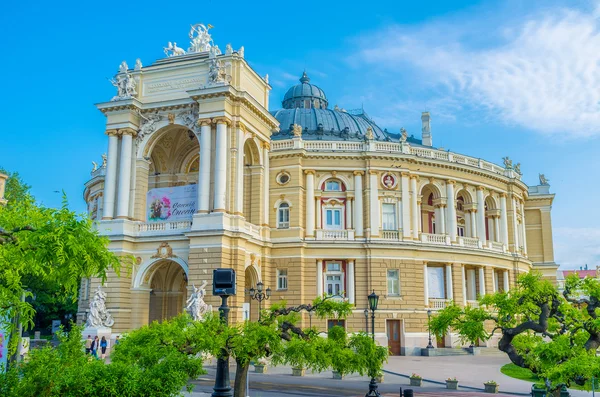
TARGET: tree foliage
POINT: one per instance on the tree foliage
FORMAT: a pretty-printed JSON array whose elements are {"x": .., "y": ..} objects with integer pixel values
[
  {"x": 44, "y": 246},
  {"x": 552, "y": 334},
  {"x": 66, "y": 371}
]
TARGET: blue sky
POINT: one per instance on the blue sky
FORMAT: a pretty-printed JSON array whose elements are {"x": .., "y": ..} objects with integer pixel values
[{"x": 500, "y": 78}]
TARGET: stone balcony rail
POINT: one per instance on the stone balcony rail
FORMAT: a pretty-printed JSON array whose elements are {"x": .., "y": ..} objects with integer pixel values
[
  {"x": 345, "y": 234},
  {"x": 438, "y": 239},
  {"x": 393, "y": 147},
  {"x": 469, "y": 242},
  {"x": 437, "y": 303},
  {"x": 390, "y": 235}
]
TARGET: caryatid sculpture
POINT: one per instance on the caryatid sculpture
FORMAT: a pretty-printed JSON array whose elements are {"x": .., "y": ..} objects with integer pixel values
[
  {"x": 195, "y": 305},
  {"x": 99, "y": 316}
]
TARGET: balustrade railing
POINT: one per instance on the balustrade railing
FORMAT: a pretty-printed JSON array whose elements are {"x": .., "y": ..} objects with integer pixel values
[
  {"x": 143, "y": 227},
  {"x": 439, "y": 239},
  {"x": 390, "y": 234},
  {"x": 323, "y": 234},
  {"x": 437, "y": 303},
  {"x": 393, "y": 147},
  {"x": 469, "y": 242},
  {"x": 473, "y": 304},
  {"x": 496, "y": 246}
]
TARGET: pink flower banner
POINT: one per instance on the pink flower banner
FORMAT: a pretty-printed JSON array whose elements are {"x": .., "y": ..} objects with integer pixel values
[{"x": 172, "y": 203}]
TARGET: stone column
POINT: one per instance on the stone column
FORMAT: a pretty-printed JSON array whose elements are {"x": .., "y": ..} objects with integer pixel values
[
  {"x": 451, "y": 212},
  {"x": 318, "y": 212},
  {"x": 350, "y": 281},
  {"x": 204, "y": 167},
  {"x": 348, "y": 213},
  {"x": 125, "y": 173},
  {"x": 266, "y": 196},
  {"x": 443, "y": 219},
  {"x": 399, "y": 217},
  {"x": 497, "y": 229},
  {"x": 494, "y": 281},
  {"x": 239, "y": 165},
  {"x": 472, "y": 284},
  {"x": 319, "y": 277},
  {"x": 515, "y": 225},
  {"x": 406, "y": 234},
  {"x": 358, "y": 204},
  {"x": 464, "y": 284},
  {"x": 449, "y": 289},
  {"x": 310, "y": 204},
  {"x": 374, "y": 203},
  {"x": 481, "y": 281},
  {"x": 474, "y": 225},
  {"x": 505, "y": 281},
  {"x": 220, "y": 170},
  {"x": 110, "y": 182},
  {"x": 503, "y": 220},
  {"x": 481, "y": 215},
  {"x": 426, "y": 285},
  {"x": 415, "y": 213},
  {"x": 523, "y": 229}
]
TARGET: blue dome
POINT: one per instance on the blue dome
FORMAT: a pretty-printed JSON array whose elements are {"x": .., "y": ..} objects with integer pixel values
[
  {"x": 334, "y": 124},
  {"x": 305, "y": 95}
]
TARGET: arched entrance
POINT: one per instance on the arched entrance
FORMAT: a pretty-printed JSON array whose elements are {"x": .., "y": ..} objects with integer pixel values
[
  {"x": 252, "y": 182},
  {"x": 251, "y": 279},
  {"x": 168, "y": 290}
]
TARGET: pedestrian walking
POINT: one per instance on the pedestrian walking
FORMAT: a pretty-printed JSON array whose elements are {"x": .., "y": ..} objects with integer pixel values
[
  {"x": 103, "y": 346},
  {"x": 117, "y": 340},
  {"x": 88, "y": 345},
  {"x": 95, "y": 347}
]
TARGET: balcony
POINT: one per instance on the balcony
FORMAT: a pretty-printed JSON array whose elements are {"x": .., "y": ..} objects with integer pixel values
[
  {"x": 437, "y": 239},
  {"x": 437, "y": 303},
  {"x": 339, "y": 235},
  {"x": 496, "y": 246},
  {"x": 390, "y": 235},
  {"x": 469, "y": 242}
]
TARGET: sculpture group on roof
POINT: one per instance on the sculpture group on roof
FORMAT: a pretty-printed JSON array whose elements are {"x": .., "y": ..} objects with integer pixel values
[{"x": 125, "y": 83}]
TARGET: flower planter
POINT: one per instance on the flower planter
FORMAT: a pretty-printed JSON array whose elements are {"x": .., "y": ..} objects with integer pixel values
[
  {"x": 452, "y": 384},
  {"x": 260, "y": 368},
  {"x": 298, "y": 371},
  {"x": 491, "y": 387},
  {"x": 337, "y": 375},
  {"x": 416, "y": 381}
]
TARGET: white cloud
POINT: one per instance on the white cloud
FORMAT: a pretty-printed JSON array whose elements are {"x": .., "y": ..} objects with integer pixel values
[
  {"x": 575, "y": 247},
  {"x": 542, "y": 73}
]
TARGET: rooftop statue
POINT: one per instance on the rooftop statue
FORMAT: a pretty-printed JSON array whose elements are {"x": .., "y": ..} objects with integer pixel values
[
  {"x": 99, "y": 316},
  {"x": 125, "y": 84},
  {"x": 507, "y": 162},
  {"x": 518, "y": 168},
  {"x": 104, "y": 160},
  {"x": 297, "y": 130},
  {"x": 95, "y": 166},
  {"x": 544, "y": 181},
  {"x": 138, "y": 64},
  {"x": 369, "y": 135},
  {"x": 403, "y": 135},
  {"x": 172, "y": 50},
  {"x": 195, "y": 305},
  {"x": 200, "y": 38}
]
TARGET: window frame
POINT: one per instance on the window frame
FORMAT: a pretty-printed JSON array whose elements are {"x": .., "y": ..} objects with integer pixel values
[
  {"x": 339, "y": 185},
  {"x": 334, "y": 273},
  {"x": 394, "y": 216},
  {"x": 397, "y": 281},
  {"x": 283, "y": 208},
  {"x": 282, "y": 275}
]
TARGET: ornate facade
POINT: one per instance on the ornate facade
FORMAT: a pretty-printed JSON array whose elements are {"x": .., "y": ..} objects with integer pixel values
[{"x": 308, "y": 199}]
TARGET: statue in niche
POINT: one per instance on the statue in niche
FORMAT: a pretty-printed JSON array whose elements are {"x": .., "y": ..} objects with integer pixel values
[
  {"x": 195, "y": 305},
  {"x": 99, "y": 316}
]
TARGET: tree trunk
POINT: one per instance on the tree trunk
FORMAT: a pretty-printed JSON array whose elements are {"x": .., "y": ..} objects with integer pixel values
[{"x": 241, "y": 374}]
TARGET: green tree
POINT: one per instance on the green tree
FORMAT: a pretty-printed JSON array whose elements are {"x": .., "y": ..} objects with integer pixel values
[
  {"x": 552, "y": 334},
  {"x": 53, "y": 246},
  {"x": 275, "y": 336}
]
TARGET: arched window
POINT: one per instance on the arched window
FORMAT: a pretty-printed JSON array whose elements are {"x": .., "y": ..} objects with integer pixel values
[
  {"x": 283, "y": 216},
  {"x": 333, "y": 186}
]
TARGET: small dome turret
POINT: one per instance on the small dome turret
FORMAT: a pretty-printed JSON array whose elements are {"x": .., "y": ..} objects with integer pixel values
[{"x": 305, "y": 95}]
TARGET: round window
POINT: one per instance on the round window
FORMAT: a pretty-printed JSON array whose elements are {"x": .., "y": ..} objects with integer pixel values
[{"x": 283, "y": 178}]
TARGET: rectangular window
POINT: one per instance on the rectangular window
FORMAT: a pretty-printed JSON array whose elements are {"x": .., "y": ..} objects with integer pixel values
[
  {"x": 336, "y": 323},
  {"x": 333, "y": 218},
  {"x": 389, "y": 216},
  {"x": 393, "y": 282},
  {"x": 282, "y": 280},
  {"x": 334, "y": 267},
  {"x": 461, "y": 231},
  {"x": 283, "y": 220}
]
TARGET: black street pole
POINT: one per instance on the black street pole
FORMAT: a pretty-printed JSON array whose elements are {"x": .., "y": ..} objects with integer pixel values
[
  {"x": 373, "y": 299},
  {"x": 373, "y": 324},
  {"x": 367, "y": 321},
  {"x": 222, "y": 384},
  {"x": 429, "y": 345}
]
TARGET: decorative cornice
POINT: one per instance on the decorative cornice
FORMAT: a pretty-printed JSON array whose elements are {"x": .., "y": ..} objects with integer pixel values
[{"x": 241, "y": 126}]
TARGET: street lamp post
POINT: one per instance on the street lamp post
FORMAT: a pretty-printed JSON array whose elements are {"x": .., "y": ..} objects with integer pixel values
[
  {"x": 367, "y": 321},
  {"x": 310, "y": 314},
  {"x": 259, "y": 294},
  {"x": 373, "y": 301},
  {"x": 429, "y": 345}
]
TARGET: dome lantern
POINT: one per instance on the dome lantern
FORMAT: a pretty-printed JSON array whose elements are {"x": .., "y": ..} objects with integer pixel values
[{"x": 305, "y": 96}]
